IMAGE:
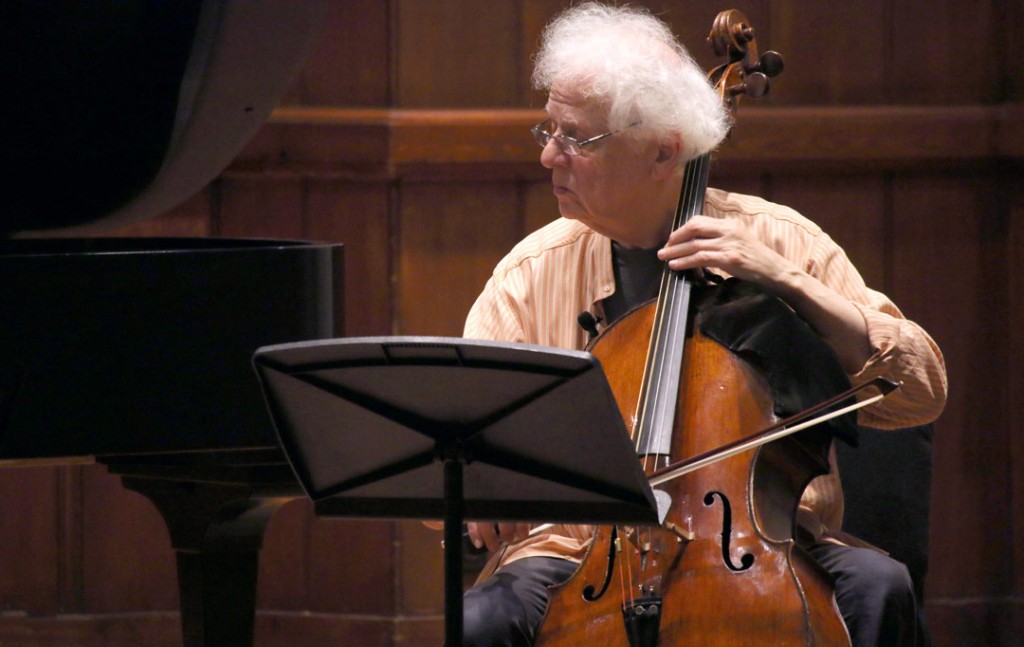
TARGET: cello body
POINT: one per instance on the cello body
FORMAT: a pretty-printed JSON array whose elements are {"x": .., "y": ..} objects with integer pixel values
[{"x": 724, "y": 567}]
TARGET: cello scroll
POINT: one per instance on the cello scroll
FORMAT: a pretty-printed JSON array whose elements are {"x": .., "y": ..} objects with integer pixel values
[{"x": 746, "y": 73}]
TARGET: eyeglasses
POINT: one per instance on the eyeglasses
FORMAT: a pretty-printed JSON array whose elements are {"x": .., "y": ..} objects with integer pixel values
[{"x": 566, "y": 144}]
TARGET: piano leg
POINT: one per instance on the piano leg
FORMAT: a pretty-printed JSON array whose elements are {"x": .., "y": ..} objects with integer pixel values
[{"x": 216, "y": 531}]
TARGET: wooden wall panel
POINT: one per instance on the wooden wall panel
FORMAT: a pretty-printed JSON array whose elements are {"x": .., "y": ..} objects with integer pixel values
[
  {"x": 451, "y": 236},
  {"x": 288, "y": 630},
  {"x": 357, "y": 214},
  {"x": 946, "y": 262},
  {"x": 823, "y": 45},
  {"x": 1015, "y": 385},
  {"x": 1010, "y": 79},
  {"x": 350, "y": 65},
  {"x": 352, "y": 567},
  {"x": 269, "y": 206},
  {"x": 451, "y": 54},
  {"x": 935, "y": 50},
  {"x": 30, "y": 539},
  {"x": 77, "y": 630},
  {"x": 420, "y": 566},
  {"x": 285, "y": 565},
  {"x": 534, "y": 14},
  {"x": 125, "y": 547},
  {"x": 414, "y": 632}
]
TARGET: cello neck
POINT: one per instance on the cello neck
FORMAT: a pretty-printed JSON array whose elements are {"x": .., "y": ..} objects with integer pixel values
[{"x": 660, "y": 389}]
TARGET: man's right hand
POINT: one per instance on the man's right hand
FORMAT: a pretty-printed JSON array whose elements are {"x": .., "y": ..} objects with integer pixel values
[{"x": 494, "y": 535}]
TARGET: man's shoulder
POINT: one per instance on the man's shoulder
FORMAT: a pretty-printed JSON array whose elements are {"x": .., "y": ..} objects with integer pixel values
[
  {"x": 560, "y": 236},
  {"x": 726, "y": 204}
]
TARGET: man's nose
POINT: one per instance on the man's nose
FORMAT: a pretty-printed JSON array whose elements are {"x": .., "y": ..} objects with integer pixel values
[{"x": 552, "y": 154}]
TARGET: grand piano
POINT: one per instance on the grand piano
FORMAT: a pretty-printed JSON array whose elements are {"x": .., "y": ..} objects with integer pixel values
[{"x": 136, "y": 353}]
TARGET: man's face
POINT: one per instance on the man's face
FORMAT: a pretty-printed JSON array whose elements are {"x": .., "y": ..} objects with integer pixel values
[{"x": 609, "y": 182}]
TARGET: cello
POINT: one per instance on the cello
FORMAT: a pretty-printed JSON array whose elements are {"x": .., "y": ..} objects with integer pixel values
[{"x": 723, "y": 567}]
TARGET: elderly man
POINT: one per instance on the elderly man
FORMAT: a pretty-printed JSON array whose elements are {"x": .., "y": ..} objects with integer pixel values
[{"x": 627, "y": 108}]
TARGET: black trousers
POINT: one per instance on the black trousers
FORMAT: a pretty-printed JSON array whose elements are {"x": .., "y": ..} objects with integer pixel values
[
  {"x": 506, "y": 609},
  {"x": 874, "y": 594}
]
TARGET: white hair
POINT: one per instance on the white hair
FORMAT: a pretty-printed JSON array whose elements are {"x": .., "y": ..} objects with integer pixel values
[{"x": 630, "y": 61}]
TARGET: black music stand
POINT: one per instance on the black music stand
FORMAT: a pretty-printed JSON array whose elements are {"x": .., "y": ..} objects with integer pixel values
[{"x": 523, "y": 433}]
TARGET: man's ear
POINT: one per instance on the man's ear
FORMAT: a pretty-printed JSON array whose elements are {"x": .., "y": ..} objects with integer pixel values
[{"x": 667, "y": 162}]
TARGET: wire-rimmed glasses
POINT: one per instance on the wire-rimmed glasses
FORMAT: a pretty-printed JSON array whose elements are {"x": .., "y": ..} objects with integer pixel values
[{"x": 568, "y": 145}]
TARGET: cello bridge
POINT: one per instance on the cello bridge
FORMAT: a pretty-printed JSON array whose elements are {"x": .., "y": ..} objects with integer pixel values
[{"x": 680, "y": 533}]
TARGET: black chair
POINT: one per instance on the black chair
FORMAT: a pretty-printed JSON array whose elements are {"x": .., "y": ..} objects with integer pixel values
[{"x": 887, "y": 484}]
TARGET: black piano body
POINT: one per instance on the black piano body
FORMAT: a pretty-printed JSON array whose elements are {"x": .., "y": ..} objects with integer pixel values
[
  {"x": 136, "y": 353},
  {"x": 116, "y": 346}
]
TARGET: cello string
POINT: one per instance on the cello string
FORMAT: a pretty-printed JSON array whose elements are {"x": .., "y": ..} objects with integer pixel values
[
  {"x": 655, "y": 408},
  {"x": 662, "y": 372},
  {"x": 626, "y": 579}
]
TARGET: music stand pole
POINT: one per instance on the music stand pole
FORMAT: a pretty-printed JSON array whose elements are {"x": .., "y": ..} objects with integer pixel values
[{"x": 453, "y": 551}]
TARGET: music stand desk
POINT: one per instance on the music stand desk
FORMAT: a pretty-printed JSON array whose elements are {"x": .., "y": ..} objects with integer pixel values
[{"x": 438, "y": 427}]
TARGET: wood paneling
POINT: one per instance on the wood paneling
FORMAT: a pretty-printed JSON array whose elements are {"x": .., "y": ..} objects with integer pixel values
[
  {"x": 448, "y": 246},
  {"x": 358, "y": 215},
  {"x": 823, "y": 47},
  {"x": 350, "y": 64},
  {"x": 938, "y": 51},
  {"x": 124, "y": 549},
  {"x": 948, "y": 257},
  {"x": 457, "y": 142},
  {"x": 30, "y": 539},
  {"x": 153, "y": 629},
  {"x": 451, "y": 55},
  {"x": 353, "y": 567},
  {"x": 420, "y": 565},
  {"x": 271, "y": 205},
  {"x": 285, "y": 567},
  {"x": 1015, "y": 385}
]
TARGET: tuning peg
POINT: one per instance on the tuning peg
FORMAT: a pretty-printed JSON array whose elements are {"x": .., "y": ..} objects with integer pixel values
[
  {"x": 755, "y": 85},
  {"x": 771, "y": 63}
]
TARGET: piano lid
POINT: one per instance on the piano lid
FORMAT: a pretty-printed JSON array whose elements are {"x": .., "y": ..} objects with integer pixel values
[{"x": 121, "y": 110}]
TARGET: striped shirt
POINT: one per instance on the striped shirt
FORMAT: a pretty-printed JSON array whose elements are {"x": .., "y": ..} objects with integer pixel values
[{"x": 538, "y": 290}]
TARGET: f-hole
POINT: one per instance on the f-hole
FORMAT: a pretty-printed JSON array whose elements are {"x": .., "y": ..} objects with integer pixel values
[
  {"x": 589, "y": 592},
  {"x": 747, "y": 560}
]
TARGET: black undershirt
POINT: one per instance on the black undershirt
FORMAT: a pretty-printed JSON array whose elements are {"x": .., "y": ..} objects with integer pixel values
[{"x": 637, "y": 279}]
